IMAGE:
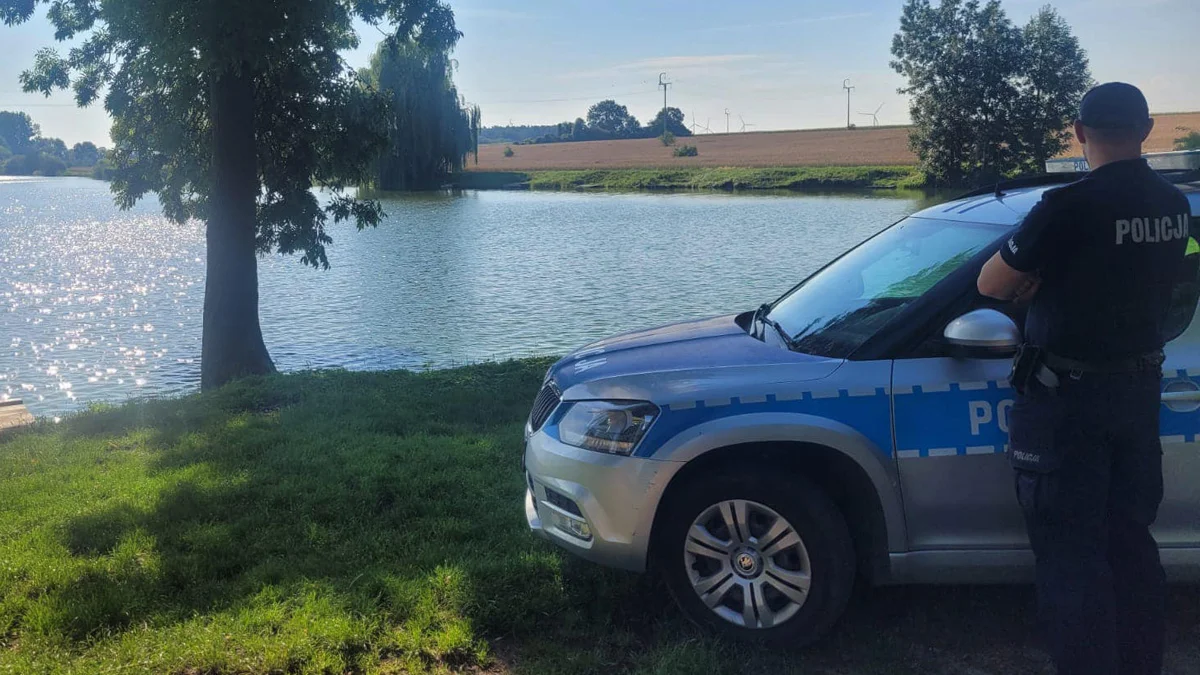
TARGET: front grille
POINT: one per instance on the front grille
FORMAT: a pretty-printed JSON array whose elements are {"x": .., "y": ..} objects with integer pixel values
[{"x": 545, "y": 403}]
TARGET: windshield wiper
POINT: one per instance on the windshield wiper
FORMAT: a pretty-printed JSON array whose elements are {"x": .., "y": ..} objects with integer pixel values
[{"x": 760, "y": 316}]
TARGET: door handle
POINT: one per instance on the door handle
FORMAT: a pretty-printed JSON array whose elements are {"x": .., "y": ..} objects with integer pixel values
[{"x": 1174, "y": 396}]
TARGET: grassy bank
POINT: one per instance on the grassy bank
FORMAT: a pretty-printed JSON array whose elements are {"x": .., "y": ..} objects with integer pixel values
[
  {"x": 372, "y": 523},
  {"x": 783, "y": 178}
]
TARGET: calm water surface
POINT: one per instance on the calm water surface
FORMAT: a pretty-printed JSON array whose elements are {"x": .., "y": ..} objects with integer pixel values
[{"x": 97, "y": 304}]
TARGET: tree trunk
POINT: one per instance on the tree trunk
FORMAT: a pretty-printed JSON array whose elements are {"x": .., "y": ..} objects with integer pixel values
[{"x": 233, "y": 344}]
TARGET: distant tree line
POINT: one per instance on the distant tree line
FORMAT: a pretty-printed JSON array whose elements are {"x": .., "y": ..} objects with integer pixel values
[
  {"x": 25, "y": 152},
  {"x": 605, "y": 120},
  {"x": 516, "y": 133},
  {"x": 989, "y": 99}
]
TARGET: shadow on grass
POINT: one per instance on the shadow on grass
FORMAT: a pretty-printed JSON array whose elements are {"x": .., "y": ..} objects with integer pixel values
[{"x": 372, "y": 522}]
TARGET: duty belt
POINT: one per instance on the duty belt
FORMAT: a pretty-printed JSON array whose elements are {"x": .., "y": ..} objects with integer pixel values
[{"x": 1134, "y": 364}]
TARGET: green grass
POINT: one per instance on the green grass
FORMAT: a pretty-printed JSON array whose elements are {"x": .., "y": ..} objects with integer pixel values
[
  {"x": 338, "y": 522},
  {"x": 782, "y": 178}
]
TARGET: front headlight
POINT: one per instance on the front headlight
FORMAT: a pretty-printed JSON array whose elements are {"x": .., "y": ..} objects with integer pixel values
[{"x": 614, "y": 427}]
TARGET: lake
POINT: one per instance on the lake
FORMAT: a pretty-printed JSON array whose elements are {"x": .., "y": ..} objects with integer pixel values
[{"x": 98, "y": 304}]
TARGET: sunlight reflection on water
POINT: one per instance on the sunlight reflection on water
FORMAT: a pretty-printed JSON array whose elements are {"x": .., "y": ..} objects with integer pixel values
[{"x": 101, "y": 305}]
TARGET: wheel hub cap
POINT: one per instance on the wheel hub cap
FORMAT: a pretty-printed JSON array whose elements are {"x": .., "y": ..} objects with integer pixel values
[{"x": 747, "y": 563}]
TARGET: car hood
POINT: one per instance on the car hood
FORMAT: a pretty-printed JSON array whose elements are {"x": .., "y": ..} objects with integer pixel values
[{"x": 691, "y": 356}]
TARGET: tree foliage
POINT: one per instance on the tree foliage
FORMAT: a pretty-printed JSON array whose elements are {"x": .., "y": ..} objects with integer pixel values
[
  {"x": 35, "y": 154},
  {"x": 34, "y": 164},
  {"x": 17, "y": 131},
  {"x": 612, "y": 118},
  {"x": 431, "y": 131},
  {"x": 988, "y": 98},
  {"x": 84, "y": 154},
  {"x": 1056, "y": 76},
  {"x": 1189, "y": 141},
  {"x": 675, "y": 123},
  {"x": 230, "y": 112},
  {"x": 606, "y": 120}
]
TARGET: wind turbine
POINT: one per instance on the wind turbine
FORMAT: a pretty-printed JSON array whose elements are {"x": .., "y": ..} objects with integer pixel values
[
  {"x": 744, "y": 125},
  {"x": 874, "y": 116}
]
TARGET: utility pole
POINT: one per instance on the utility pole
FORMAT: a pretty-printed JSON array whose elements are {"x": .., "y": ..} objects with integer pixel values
[
  {"x": 848, "y": 88},
  {"x": 664, "y": 86},
  {"x": 727, "y": 120}
]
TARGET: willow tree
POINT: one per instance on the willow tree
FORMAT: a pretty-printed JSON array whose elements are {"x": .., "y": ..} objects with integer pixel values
[
  {"x": 431, "y": 131},
  {"x": 230, "y": 111}
]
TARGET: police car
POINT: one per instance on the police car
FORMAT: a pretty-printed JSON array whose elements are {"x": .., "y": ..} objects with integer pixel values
[{"x": 854, "y": 429}]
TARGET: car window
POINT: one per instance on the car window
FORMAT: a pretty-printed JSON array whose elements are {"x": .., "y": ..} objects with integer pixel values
[
  {"x": 1181, "y": 313},
  {"x": 838, "y": 309}
]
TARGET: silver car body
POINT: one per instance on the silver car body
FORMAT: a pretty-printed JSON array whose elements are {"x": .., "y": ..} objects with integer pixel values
[{"x": 929, "y": 433}]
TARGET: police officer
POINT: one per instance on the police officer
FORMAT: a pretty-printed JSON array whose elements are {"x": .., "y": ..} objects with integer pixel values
[{"x": 1097, "y": 260}]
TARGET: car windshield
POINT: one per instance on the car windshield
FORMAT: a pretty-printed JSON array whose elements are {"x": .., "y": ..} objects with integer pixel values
[{"x": 838, "y": 309}]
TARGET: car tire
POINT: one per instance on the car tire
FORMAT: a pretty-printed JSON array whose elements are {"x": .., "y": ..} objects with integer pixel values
[{"x": 725, "y": 580}]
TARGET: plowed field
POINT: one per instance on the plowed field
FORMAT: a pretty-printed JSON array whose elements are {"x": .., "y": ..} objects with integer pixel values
[{"x": 819, "y": 147}]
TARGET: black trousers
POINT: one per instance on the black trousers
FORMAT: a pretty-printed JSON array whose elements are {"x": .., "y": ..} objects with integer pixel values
[{"x": 1088, "y": 465}]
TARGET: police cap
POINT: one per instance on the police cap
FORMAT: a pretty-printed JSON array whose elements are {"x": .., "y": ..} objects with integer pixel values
[{"x": 1114, "y": 105}]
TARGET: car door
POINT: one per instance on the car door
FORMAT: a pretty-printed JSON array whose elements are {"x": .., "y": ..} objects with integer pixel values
[
  {"x": 950, "y": 416},
  {"x": 1178, "y": 524},
  {"x": 951, "y": 433}
]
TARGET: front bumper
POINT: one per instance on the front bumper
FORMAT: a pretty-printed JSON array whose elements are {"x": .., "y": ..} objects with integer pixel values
[{"x": 616, "y": 496}]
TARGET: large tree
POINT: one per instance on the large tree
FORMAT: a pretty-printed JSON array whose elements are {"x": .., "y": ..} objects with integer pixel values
[
  {"x": 231, "y": 111},
  {"x": 85, "y": 154},
  {"x": 675, "y": 123},
  {"x": 1056, "y": 76},
  {"x": 431, "y": 130},
  {"x": 17, "y": 131},
  {"x": 984, "y": 104},
  {"x": 611, "y": 118}
]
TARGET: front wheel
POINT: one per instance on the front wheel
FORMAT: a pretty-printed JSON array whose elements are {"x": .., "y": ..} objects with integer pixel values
[{"x": 757, "y": 556}]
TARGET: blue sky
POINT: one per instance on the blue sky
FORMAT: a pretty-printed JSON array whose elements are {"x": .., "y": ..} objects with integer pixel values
[{"x": 777, "y": 64}]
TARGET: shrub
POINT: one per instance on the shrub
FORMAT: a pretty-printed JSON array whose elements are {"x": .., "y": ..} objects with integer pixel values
[
  {"x": 20, "y": 165},
  {"x": 1190, "y": 141},
  {"x": 50, "y": 166},
  {"x": 667, "y": 138},
  {"x": 687, "y": 151},
  {"x": 103, "y": 170},
  {"x": 508, "y": 151},
  {"x": 34, "y": 164}
]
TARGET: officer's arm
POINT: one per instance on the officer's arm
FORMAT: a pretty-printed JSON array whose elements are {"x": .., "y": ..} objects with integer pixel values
[
  {"x": 1012, "y": 274},
  {"x": 999, "y": 280}
]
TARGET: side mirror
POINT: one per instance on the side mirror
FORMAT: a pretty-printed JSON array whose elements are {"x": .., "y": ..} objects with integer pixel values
[{"x": 983, "y": 333}]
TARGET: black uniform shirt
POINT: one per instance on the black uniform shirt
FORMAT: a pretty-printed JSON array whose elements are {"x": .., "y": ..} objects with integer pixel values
[{"x": 1109, "y": 249}]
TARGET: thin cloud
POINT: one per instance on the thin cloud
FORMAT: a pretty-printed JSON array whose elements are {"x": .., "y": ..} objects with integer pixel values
[
  {"x": 682, "y": 62},
  {"x": 803, "y": 21},
  {"x": 671, "y": 63}
]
